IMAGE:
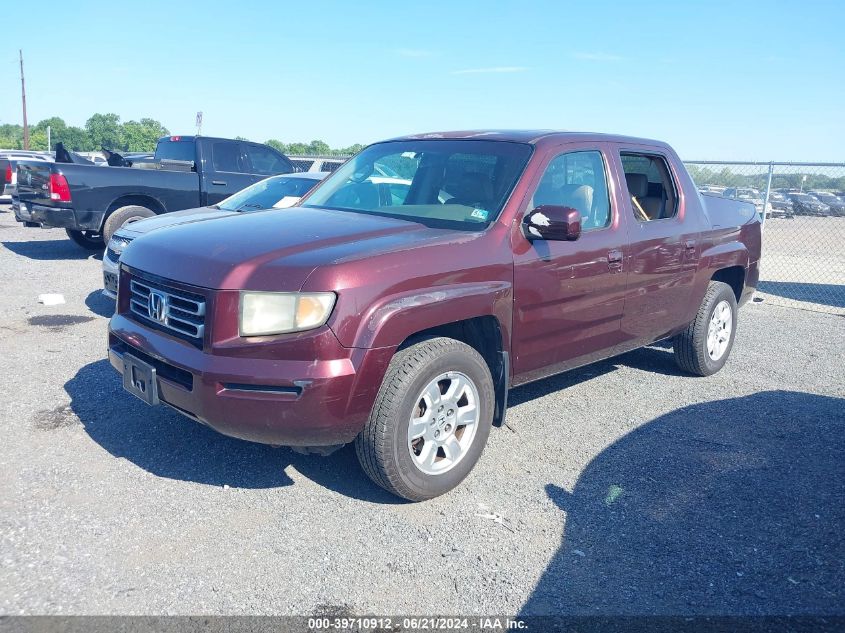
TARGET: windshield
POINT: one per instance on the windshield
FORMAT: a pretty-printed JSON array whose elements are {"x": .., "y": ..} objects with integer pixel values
[
  {"x": 277, "y": 191},
  {"x": 803, "y": 197},
  {"x": 459, "y": 184}
]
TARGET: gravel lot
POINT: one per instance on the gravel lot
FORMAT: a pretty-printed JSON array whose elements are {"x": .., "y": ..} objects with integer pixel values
[{"x": 625, "y": 487}]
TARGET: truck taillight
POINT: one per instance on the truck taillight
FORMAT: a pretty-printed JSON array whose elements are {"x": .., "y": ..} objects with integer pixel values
[
  {"x": 9, "y": 172},
  {"x": 59, "y": 189}
]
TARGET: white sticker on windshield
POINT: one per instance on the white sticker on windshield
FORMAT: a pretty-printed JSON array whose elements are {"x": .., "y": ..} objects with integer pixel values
[
  {"x": 287, "y": 201},
  {"x": 480, "y": 214}
]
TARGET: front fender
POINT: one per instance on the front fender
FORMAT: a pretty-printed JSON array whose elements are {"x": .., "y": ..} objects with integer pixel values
[{"x": 395, "y": 317}]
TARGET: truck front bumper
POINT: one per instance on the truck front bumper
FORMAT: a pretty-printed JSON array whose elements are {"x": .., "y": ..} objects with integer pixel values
[
  {"x": 267, "y": 400},
  {"x": 111, "y": 272}
]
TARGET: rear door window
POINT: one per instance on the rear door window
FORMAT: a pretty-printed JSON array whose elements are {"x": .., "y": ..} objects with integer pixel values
[
  {"x": 650, "y": 186},
  {"x": 264, "y": 161},
  {"x": 227, "y": 156}
]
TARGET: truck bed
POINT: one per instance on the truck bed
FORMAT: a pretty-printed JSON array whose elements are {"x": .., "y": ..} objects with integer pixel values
[{"x": 94, "y": 189}]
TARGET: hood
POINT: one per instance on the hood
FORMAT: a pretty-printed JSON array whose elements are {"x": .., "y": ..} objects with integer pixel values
[
  {"x": 272, "y": 250},
  {"x": 187, "y": 216}
]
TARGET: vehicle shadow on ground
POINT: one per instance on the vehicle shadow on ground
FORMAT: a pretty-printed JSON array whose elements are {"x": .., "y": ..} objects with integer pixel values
[
  {"x": 824, "y": 294},
  {"x": 170, "y": 445},
  {"x": 100, "y": 304},
  {"x": 728, "y": 507},
  {"x": 44, "y": 250},
  {"x": 657, "y": 358}
]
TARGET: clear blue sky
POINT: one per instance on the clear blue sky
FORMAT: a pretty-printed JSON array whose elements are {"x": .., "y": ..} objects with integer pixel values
[{"x": 742, "y": 80}]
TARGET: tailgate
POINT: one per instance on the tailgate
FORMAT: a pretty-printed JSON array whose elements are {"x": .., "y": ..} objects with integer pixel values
[{"x": 34, "y": 182}]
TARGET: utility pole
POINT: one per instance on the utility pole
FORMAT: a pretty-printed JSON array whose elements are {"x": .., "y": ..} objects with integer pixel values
[{"x": 23, "y": 101}]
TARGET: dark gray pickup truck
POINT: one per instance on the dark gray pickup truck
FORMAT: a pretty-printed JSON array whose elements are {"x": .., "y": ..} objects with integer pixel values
[{"x": 92, "y": 202}]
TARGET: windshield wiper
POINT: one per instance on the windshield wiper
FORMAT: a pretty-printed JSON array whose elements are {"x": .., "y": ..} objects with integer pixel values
[{"x": 250, "y": 206}]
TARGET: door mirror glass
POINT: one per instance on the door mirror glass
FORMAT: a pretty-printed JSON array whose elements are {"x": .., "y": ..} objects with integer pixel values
[{"x": 552, "y": 222}]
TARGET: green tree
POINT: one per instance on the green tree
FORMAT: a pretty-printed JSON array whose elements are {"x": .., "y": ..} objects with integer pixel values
[
  {"x": 319, "y": 147},
  {"x": 104, "y": 130},
  {"x": 76, "y": 139},
  {"x": 277, "y": 145},
  {"x": 57, "y": 127},
  {"x": 352, "y": 149},
  {"x": 38, "y": 140},
  {"x": 142, "y": 136},
  {"x": 11, "y": 136},
  {"x": 298, "y": 148}
]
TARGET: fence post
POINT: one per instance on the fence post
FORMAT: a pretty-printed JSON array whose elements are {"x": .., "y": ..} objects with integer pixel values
[{"x": 768, "y": 190}]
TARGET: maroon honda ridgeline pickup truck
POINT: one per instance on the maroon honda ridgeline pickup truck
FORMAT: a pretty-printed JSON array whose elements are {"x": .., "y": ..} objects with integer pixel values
[{"x": 396, "y": 312}]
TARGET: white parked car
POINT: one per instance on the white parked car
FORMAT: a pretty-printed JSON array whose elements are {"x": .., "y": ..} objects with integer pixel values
[{"x": 9, "y": 176}]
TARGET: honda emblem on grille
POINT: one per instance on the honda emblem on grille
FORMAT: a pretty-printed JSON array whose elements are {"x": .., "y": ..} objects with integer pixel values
[{"x": 157, "y": 307}]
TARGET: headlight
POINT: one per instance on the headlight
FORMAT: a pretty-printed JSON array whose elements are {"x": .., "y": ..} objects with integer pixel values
[
  {"x": 263, "y": 313},
  {"x": 117, "y": 243}
]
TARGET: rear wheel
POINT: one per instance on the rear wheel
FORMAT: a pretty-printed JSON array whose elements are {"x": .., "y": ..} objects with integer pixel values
[
  {"x": 89, "y": 240},
  {"x": 430, "y": 421},
  {"x": 704, "y": 346},
  {"x": 124, "y": 215}
]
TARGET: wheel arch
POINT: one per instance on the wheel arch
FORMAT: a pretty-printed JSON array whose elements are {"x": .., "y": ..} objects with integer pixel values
[
  {"x": 141, "y": 200},
  {"x": 734, "y": 276},
  {"x": 485, "y": 335}
]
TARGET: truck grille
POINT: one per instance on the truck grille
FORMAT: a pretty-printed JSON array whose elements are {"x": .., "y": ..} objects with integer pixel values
[{"x": 169, "y": 309}]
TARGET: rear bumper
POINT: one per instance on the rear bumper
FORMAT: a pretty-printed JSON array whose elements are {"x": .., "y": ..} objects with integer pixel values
[
  {"x": 267, "y": 400},
  {"x": 21, "y": 211},
  {"x": 53, "y": 217}
]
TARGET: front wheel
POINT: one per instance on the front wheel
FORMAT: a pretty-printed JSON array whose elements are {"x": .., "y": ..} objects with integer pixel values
[
  {"x": 430, "y": 421},
  {"x": 89, "y": 240},
  {"x": 704, "y": 346}
]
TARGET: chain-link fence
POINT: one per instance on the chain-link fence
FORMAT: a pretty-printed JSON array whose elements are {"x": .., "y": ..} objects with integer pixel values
[
  {"x": 803, "y": 206},
  {"x": 322, "y": 162}
]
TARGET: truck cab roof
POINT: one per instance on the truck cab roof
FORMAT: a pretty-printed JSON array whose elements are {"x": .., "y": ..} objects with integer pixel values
[{"x": 533, "y": 137}]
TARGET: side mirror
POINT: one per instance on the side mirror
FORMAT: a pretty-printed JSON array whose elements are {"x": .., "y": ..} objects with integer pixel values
[{"x": 552, "y": 222}]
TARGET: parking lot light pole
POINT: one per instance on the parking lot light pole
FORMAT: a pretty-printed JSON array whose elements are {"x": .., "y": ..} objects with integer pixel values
[{"x": 23, "y": 102}]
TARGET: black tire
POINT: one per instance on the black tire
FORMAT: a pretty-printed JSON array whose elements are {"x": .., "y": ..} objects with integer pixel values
[
  {"x": 382, "y": 447},
  {"x": 89, "y": 240},
  {"x": 124, "y": 215},
  {"x": 691, "y": 353}
]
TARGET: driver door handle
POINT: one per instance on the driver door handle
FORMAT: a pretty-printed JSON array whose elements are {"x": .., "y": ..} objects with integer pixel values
[
  {"x": 218, "y": 182},
  {"x": 614, "y": 260}
]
